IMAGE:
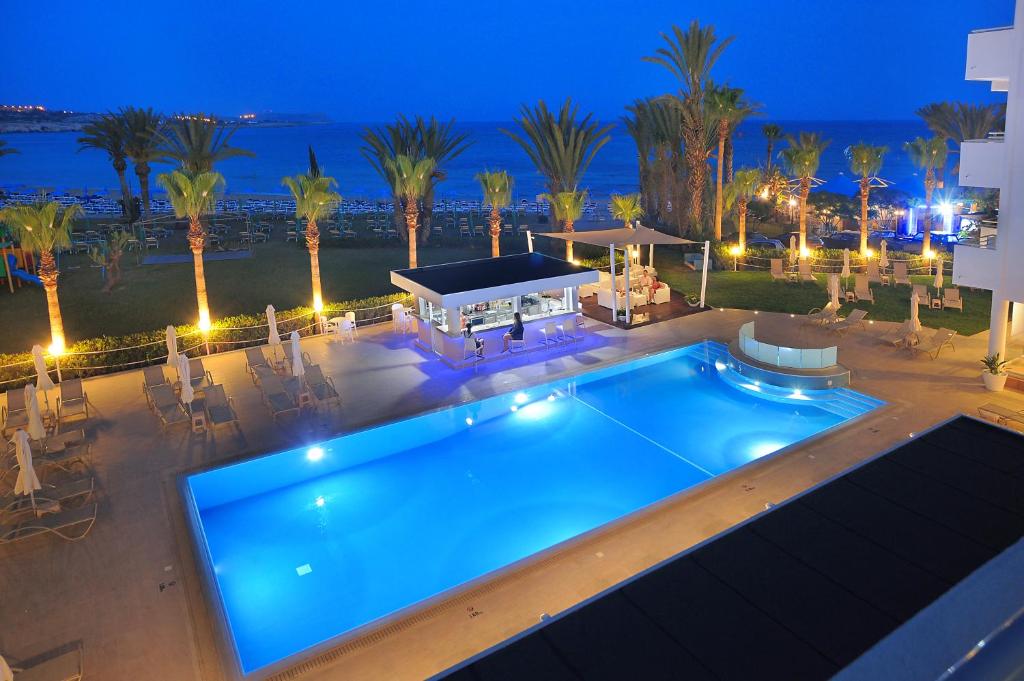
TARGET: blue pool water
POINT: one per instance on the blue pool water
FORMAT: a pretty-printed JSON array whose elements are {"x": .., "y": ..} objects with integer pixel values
[{"x": 311, "y": 543}]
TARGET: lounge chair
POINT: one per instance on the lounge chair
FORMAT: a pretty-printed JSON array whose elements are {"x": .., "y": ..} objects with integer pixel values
[
  {"x": 68, "y": 525},
  {"x": 933, "y": 345},
  {"x": 77, "y": 490},
  {"x": 862, "y": 289},
  {"x": 321, "y": 387},
  {"x": 777, "y": 270},
  {"x": 899, "y": 273},
  {"x": 805, "y": 271},
  {"x": 278, "y": 400},
  {"x": 201, "y": 378},
  {"x": 15, "y": 413},
  {"x": 856, "y": 318},
  {"x": 1003, "y": 415},
  {"x": 822, "y": 315},
  {"x": 168, "y": 408},
  {"x": 900, "y": 335},
  {"x": 951, "y": 298},
  {"x": 872, "y": 272},
  {"x": 64, "y": 667},
  {"x": 568, "y": 328},
  {"x": 257, "y": 364},
  {"x": 923, "y": 297},
  {"x": 220, "y": 410},
  {"x": 549, "y": 334},
  {"x": 151, "y": 377},
  {"x": 73, "y": 402}
]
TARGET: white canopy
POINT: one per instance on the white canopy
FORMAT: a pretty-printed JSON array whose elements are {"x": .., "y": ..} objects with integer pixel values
[{"x": 623, "y": 236}]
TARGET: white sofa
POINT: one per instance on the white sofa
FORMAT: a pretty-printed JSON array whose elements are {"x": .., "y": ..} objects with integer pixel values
[
  {"x": 604, "y": 299},
  {"x": 663, "y": 294}
]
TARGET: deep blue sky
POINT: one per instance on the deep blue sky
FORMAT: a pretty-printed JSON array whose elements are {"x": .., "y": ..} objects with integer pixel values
[{"x": 367, "y": 61}]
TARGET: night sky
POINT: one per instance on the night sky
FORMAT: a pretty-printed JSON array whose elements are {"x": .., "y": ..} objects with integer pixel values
[{"x": 477, "y": 61}]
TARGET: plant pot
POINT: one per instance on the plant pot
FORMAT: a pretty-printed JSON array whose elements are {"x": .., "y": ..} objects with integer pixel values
[
  {"x": 994, "y": 382},
  {"x": 695, "y": 303}
]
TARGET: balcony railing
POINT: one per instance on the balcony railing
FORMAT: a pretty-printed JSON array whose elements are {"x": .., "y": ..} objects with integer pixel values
[{"x": 977, "y": 240}]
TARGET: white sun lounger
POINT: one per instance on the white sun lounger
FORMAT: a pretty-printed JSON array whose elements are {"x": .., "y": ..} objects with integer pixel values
[
  {"x": 68, "y": 525},
  {"x": 856, "y": 318},
  {"x": 66, "y": 666},
  {"x": 73, "y": 402},
  {"x": 15, "y": 414}
]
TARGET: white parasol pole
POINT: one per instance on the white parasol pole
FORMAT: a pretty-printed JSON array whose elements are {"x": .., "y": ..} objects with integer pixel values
[
  {"x": 629, "y": 290},
  {"x": 529, "y": 241},
  {"x": 615, "y": 302},
  {"x": 704, "y": 274}
]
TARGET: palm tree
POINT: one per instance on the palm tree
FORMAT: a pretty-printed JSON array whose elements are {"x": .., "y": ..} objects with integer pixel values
[
  {"x": 108, "y": 134},
  {"x": 626, "y": 207},
  {"x": 440, "y": 142},
  {"x": 567, "y": 208},
  {"x": 959, "y": 121},
  {"x": 866, "y": 161},
  {"x": 497, "y": 188},
  {"x": 727, "y": 108},
  {"x": 656, "y": 128},
  {"x": 772, "y": 133},
  {"x": 689, "y": 55},
  {"x": 412, "y": 179},
  {"x": 744, "y": 109},
  {"x": 193, "y": 196},
  {"x": 197, "y": 141},
  {"x": 42, "y": 228},
  {"x": 141, "y": 144},
  {"x": 927, "y": 154},
  {"x": 562, "y": 146},
  {"x": 6, "y": 150},
  {"x": 745, "y": 186},
  {"x": 381, "y": 146},
  {"x": 801, "y": 160},
  {"x": 313, "y": 199}
]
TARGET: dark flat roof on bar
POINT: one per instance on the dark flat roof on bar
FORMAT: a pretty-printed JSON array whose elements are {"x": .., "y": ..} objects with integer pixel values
[
  {"x": 802, "y": 590},
  {"x": 473, "y": 275}
]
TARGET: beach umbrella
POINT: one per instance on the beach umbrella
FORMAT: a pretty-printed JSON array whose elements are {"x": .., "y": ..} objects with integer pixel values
[
  {"x": 883, "y": 258},
  {"x": 275, "y": 337},
  {"x": 833, "y": 290},
  {"x": 846, "y": 264},
  {"x": 915, "y": 322},
  {"x": 35, "y": 419},
  {"x": 28, "y": 481},
  {"x": 792, "y": 250},
  {"x": 172, "y": 346},
  {"x": 185, "y": 376},
  {"x": 298, "y": 369},
  {"x": 938, "y": 271},
  {"x": 43, "y": 381}
]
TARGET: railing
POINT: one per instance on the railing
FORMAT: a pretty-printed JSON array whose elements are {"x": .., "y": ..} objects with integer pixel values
[
  {"x": 781, "y": 356},
  {"x": 976, "y": 240}
]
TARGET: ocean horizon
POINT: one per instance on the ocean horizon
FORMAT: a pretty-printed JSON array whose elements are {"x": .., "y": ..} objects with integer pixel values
[{"x": 52, "y": 159}]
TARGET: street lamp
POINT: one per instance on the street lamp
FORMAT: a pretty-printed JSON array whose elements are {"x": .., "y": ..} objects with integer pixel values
[{"x": 735, "y": 252}]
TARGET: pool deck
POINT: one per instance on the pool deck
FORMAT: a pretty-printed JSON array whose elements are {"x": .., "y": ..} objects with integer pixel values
[{"x": 130, "y": 591}]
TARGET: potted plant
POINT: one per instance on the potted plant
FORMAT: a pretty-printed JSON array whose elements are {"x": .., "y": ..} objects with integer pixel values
[
  {"x": 994, "y": 376},
  {"x": 692, "y": 299}
]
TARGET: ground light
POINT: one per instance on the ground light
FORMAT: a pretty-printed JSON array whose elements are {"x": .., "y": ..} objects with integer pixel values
[
  {"x": 735, "y": 252},
  {"x": 868, "y": 253}
]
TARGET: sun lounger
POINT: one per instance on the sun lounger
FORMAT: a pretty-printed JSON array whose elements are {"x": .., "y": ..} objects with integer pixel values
[
  {"x": 152, "y": 377},
  {"x": 64, "y": 667},
  {"x": 15, "y": 413},
  {"x": 923, "y": 297},
  {"x": 68, "y": 525},
  {"x": 899, "y": 273},
  {"x": 874, "y": 277},
  {"x": 933, "y": 344},
  {"x": 167, "y": 407},
  {"x": 278, "y": 400},
  {"x": 1003, "y": 415},
  {"x": 66, "y": 493},
  {"x": 73, "y": 402},
  {"x": 256, "y": 362},
  {"x": 900, "y": 335},
  {"x": 805, "y": 271},
  {"x": 777, "y": 270},
  {"x": 951, "y": 298},
  {"x": 220, "y": 410},
  {"x": 201, "y": 378},
  {"x": 862, "y": 290},
  {"x": 321, "y": 387},
  {"x": 856, "y": 318},
  {"x": 821, "y": 316}
]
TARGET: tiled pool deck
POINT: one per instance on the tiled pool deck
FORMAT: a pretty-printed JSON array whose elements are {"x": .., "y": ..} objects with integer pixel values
[{"x": 130, "y": 593}]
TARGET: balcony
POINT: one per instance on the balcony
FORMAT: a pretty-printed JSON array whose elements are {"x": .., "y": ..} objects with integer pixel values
[
  {"x": 976, "y": 263},
  {"x": 988, "y": 57},
  {"x": 983, "y": 162}
]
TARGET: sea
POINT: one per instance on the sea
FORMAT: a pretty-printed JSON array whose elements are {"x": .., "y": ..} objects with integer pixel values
[{"x": 54, "y": 161}]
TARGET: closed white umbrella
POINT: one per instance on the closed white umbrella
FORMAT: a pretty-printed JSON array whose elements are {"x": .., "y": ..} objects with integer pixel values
[
  {"x": 833, "y": 290},
  {"x": 298, "y": 369},
  {"x": 915, "y": 323},
  {"x": 28, "y": 481},
  {"x": 274, "y": 338},
  {"x": 43, "y": 381},
  {"x": 35, "y": 419},
  {"x": 792, "y": 250},
  {"x": 938, "y": 272},
  {"x": 846, "y": 264},
  {"x": 172, "y": 346},
  {"x": 185, "y": 376},
  {"x": 883, "y": 258}
]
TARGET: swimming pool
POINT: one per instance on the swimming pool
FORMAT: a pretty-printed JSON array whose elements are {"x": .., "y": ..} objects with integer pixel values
[{"x": 308, "y": 544}]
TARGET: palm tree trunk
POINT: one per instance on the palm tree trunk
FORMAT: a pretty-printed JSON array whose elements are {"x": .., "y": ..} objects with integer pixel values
[
  {"x": 723, "y": 129},
  {"x": 126, "y": 192},
  {"x": 696, "y": 169},
  {"x": 196, "y": 242},
  {"x": 48, "y": 275},
  {"x": 313, "y": 244},
  {"x": 142, "y": 171},
  {"x": 495, "y": 231},
  {"x": 728, "y": 157},
  {"x": 411, "y": 221},
  {"x": 568, "y": 244},
  {"x": 741, "y": 208},
  {"x": 771, "y": 148},
  {"x": 865, "y": 187},
  {"x": 805, "y": 192},
  {"x": 929, "y": 189}
]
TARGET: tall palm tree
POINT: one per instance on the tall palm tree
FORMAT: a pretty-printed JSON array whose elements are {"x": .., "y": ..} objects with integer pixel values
[
  {"x": 198, "y": 141},
  {"x": 656, "y": 128},
  {"x": 497, "y": 188},
  {"x": 412, "y": 179},
  {"x": 866, "y": 161},
  {"x": 442, "y": 143},
  {"x": 193, "y": 196},
  {"x": 6, "y": 150},
  {"x": 744, "y": 110},
  {"x": 927, "y": 154},
  {"x": 314, "y": 198},
  {"x": 626, "y": 207},
  {"x": 42, "y": 228},
  {"x": 727, "y": 108},
  {"x": 561, "y": 146},
  {"x": 381, "y": 146},
  {"x": 689, "y": 55},
  {"x": 108, "y": 134},
  {"x": 801, "y": 160},
  {"x": 744, "y": 187},
  {"x": 567, "y": 208},
  {"x": 772, "y": 134},
  {"x": 959, "y": 121},
  {"x": 141, "y": 144}
]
